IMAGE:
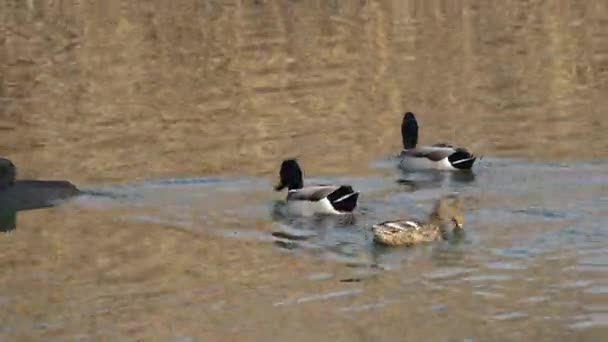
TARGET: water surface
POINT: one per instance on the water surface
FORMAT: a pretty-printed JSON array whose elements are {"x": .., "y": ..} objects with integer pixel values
[{"x": 175, "y": 119}]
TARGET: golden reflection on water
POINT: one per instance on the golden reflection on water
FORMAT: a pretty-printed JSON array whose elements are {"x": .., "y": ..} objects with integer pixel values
[
  {"x": 118, "y": 91},
  {"x": 128, "y": 90}
]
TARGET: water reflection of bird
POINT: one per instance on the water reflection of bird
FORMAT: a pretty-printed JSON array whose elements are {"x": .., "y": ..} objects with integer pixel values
[
  {"x": 438, "y": 156},
  {"x": 409, "y": 231},
  {"x": 17, "y": 195},
  {"x": 294, "y": 229},
  {"x": 414, "y": 180},
  {"x": 450, "y": 254}
]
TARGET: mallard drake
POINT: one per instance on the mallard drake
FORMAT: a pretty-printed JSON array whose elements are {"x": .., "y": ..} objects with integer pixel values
[
  {"x": 310, "y": 200},
  {"x": 438, "y": 156},
  {"x": 7, "y": 173},
  {"x": 409, "y": 231}
]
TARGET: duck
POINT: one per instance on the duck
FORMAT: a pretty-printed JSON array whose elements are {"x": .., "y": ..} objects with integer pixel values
[
  {"x": 25, "y": 194},
  {"x": 409, "y": 231},
  {"x": 440, "y": 156},
  {"x": 311, "y": 200},
  {"x": 7, "y": 173}
]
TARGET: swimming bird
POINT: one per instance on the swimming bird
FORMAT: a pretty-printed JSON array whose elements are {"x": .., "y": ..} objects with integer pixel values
[
  {"x": 30, "y": 194},
  {"x": 438, "y": 156},
  {"x": 409, "y": 231},
  {"x": 310, "y": 200},
  {"x": 17, "y": 195},
  {"x": 7, "y": 173}
]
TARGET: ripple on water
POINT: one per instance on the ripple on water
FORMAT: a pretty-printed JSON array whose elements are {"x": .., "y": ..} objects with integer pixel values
[
  {"x": 597, "y": 290},
  {"x": 439, "y": 308},
  {"x": 591, "y": 320},
  {"x": 323, "y": 296},
  {"x": 544, "y": 213},
  {"x": 320, "y": 276},
  {"x": 536, "y": 299},
  {"x": 592, "y": 264},
  {"x": 510, "y": 316},
  {"x": 601, "y": 261},
  {"x": 577, "y": 284},
  {"x": 484, "y": 278},
  {"x": 601, "y": 308},
  {"x": 488, "y": 295},
  {"x": 355, "y": 260},
  {"x": 489, "y": 283},
  {"x": 243, "y": 234},
  {"x": 449, "y": 273},
  {"x": 432, "y": 286},
  {"x": 505, "y": 265},
  {"x": 365, "y": 307},
  {"x": 184, "y": 339},
  {"x": 516, "y": 252}
]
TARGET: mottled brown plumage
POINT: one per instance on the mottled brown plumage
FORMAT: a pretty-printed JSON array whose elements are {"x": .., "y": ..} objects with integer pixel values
[{"x": 408, "y": 232}]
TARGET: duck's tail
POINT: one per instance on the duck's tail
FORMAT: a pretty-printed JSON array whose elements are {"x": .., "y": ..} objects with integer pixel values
[
  {"x": 344, "y": 199},
  {"x": 462, "y": 160}
]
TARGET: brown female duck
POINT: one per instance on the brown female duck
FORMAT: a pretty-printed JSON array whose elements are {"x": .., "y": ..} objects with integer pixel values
[{"x": 408, "y": 231}]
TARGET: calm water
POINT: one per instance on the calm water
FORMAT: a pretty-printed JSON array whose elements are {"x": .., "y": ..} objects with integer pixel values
[{"x": 176, "y": 118}]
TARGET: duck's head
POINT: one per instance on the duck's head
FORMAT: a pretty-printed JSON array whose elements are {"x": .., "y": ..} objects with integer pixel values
[
  {"x": 7, "y": 173},
  {"x": 458, "y": 221},
  {"x": 409, "y": 131},
  {"x": 450, "y": 208},
  {"x": 290, "y": 176}
]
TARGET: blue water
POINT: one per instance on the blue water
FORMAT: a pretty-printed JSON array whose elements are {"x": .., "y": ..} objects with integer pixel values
[
  {"x": 535, "y": 233},
  {"x": 568, "y": 198},
  {"x": 521, "y": 218}
]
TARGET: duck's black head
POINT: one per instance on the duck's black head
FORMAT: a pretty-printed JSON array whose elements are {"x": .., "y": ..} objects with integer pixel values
[
  {"x": 409, "y": 131},
  {"x": 291, "y": 176},
  {"x": 7, "y": 173}
]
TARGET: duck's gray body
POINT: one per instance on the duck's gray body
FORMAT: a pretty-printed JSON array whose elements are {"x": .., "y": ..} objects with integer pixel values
[
  {"x": 311, "y": 193},
  {"x": 321, "y": 199},
  {"x": 438, "y": 156},
  {"x": 30, "y": 194},
  {"x": 34, "y": 194},
  {"x": 310, "y": 200}
]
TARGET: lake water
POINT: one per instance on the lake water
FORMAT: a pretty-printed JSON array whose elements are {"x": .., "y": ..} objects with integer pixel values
[{"x": 175, "y": 117}]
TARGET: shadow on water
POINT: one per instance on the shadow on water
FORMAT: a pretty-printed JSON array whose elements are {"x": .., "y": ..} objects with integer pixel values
[{"x": 415, "y": 180}]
